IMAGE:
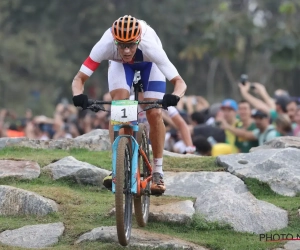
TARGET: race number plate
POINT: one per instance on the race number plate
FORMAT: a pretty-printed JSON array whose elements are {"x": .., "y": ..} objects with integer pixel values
[{"x": 123, "y": 111}]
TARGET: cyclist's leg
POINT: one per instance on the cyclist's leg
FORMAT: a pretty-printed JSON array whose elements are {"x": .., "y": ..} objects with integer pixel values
[
  {"x": 120, "y": 77},
  {"x": 154, "y": 84}
]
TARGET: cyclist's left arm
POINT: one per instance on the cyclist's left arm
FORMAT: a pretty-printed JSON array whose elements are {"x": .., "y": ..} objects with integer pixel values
[
  {"x": 179, "y": 86},
  {"x": 153, "y": 50},
  {"x": 162, "y": 61}
]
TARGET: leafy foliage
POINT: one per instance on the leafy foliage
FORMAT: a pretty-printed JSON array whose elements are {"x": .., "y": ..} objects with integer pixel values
[{"x": 43, "y": 44}]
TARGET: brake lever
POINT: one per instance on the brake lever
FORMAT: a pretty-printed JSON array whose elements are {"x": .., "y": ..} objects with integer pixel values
[{"x": 96, "y": 108}]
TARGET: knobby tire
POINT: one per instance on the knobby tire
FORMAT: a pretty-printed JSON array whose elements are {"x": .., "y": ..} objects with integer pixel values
[
  {"x": 142, "y": 203},
  {"x": 123, "y": 196}
]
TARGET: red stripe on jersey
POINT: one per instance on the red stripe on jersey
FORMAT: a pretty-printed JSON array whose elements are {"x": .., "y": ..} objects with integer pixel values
[{"x": 92, "y": 65}]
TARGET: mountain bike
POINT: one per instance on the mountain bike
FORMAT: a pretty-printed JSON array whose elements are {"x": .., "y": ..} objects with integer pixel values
[{"x": 131, "y": 168}]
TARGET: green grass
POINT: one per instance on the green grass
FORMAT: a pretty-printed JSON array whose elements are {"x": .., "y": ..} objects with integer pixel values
[
  {"x": 103, "y": 158},
  {"x": 82, "y": 208},
  {"x": 44, "y": 157},
  {"x": 192, "y": 164}
]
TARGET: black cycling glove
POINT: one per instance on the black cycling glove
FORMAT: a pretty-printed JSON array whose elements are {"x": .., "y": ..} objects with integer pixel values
[
  {"x": 170, "y": 100},
  {"x": 80, "y": 101}
]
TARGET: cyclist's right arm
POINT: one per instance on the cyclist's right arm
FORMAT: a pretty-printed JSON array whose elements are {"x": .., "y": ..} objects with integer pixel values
[
  {"x": 102, "y": 50},
  {"x": 78, "y": 83}
]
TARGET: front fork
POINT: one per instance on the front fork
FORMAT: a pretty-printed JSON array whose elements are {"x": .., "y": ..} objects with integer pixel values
[{"x": 134, "y": 158}]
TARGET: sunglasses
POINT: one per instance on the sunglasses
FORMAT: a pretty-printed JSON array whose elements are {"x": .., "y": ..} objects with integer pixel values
[{"x": 126, "y": 45}]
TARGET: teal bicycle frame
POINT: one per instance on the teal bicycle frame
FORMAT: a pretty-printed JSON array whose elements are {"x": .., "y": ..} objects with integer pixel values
[{"x": 134, "y": 159}]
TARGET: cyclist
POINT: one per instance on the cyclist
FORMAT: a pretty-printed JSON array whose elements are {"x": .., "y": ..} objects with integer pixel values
[{"x": 129, "y": 45}]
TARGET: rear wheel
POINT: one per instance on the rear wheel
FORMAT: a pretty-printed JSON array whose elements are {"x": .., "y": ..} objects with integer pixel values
[
  {"x": 123, "y": 196},
  {"x": 142, "y": 202}
]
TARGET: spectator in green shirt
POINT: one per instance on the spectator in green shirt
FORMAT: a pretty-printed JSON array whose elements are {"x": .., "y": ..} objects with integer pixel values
[
  {"x": 244, "y": 112},
  {"x": 263, "y": 133}
]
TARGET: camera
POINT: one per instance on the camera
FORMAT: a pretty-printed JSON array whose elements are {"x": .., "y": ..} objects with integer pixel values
[{"x": 244, "y": 79}]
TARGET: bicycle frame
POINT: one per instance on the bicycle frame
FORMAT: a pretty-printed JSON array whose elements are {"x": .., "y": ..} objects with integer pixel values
[
  {"x": 134, "y": 158},
  {"x": 136, "y": 182}
]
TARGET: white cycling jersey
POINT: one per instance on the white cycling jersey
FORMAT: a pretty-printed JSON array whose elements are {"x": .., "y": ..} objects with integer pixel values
[{"x": 149, "y": 50}]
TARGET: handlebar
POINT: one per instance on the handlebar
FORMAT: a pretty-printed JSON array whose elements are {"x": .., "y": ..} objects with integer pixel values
[{"x": 96, "y": 105}]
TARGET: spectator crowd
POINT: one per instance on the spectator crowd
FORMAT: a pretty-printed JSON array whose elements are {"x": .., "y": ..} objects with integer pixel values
[{"x": 230, "y": 126}]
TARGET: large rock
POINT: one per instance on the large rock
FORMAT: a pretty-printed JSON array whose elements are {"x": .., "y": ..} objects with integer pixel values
[
  {"x": 290, "y": 245},
  {"x": 7, "y": 141},
  {"x": 19, "y": 169},
  {"x": 97, "y": 140},
  {"x": 179, "y": 212},
  {"x": 139, "y": 238},
  {"x": 15, "y": 201},
  {"x": 279, "y": 168},
  {"x": 82, "y": 172},
  {"x": 280, "y": 142},
  {"x": 36, "y": 236},
  {"x": 225, "y": 198}
]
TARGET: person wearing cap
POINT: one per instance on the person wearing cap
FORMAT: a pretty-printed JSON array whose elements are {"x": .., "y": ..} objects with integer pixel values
[
  {"x": 229, "y": 109},
  {"x": 263, "y": 133}
]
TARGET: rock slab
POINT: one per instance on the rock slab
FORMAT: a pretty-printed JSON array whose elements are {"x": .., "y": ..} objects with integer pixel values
[
  {"x": 280, "y": 142},
  {"x": 15, "y": 201},
  {"x": 290, "y": 245},
  {"x": 179, "y": 212},
  {"x": 7, "y": 141},
  {"x": 36, "y": 236},
  {"x": 279, "y": 168},
  {"x": 96, "y": 140},
  {"x": 82, "y": 172},
  {"x": 223, "y": 197},
  {"x": 139, "y": 238},
  {"x": 19, "y": 169}
]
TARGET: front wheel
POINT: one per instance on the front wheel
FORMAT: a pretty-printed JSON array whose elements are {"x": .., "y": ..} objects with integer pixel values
[
  {"x": 142, "y": 202},
  {"x": 123, "y": 196}
]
